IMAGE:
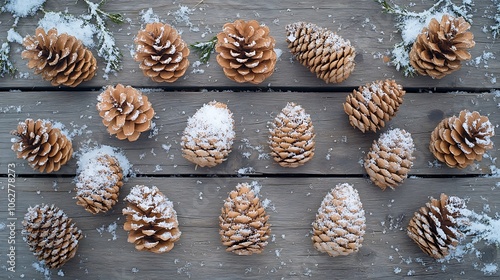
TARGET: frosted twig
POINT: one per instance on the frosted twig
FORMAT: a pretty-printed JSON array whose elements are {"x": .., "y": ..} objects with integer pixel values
[
  {"x": 495, "y": 29},
  {"x": 204, "y": 49},
  {"x": 6, "y": 66}
]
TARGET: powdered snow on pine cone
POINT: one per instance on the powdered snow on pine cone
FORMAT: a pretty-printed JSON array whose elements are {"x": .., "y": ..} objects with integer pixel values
[
  {"x": 321, "y": 50},
  {"x": 244, "y": 226},
  {"x": 208, "y": 136},
  {"x": 340, "y": 222}
]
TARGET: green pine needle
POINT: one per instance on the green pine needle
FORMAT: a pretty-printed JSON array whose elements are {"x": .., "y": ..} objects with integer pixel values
[
  {"x": 204, "y": 49},
  {"x": 6, "y": 66}
]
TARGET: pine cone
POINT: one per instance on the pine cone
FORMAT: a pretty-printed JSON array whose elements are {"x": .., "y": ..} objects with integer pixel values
[
  {"x": 61, "y": 59},
  {"x": 162, "y": 52},
  {"x": 373, "y": 104},
  {"x": 50, "y": 234},
  {"x": 99, "y": 180},
  {"x": 209, "y": 134},
  {"x": 44, "y": 146},
  {"x": 246, "y": 51},
  {"x": 151, "y": 220},
  {"x": 458, "y": 141},
  {"x": 390, "y": 158},
  {"x": 340, "y": 222},
  {"x": 440, "y": 48},
  {"x": 125, "y": 111},
  {"x": 434, "y": 226},
  {"x": 244, "y": 226},
  {"x": 292, "y": 136},
  {"x": 321, "y": 50}
]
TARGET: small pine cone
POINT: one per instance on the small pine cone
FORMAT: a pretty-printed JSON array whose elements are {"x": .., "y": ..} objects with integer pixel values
[
  {"x": 459, "y": 141},
  {"x": 244, "y": 226},
  {"x": 208, "y": 136},
  {"x": 441, "y": 47},
  {"x": 434, "y": 227},
  {"x": 372, "y": 105},
  {"x": 340, "y": 222},
  {"x": 390, "y": 158},
  {"x": 151, "y": 220},
  {"x": 321, "y": 50},
  {"x": 51, "y": 235},
  {"x": 292, "y": 136},
  {"x": 44, "y": 146},
  {"x": 125, "y": 111},
  {"x": 246, "y": 51},
  {"x": 162, "y": 52},
  {"x": 61, "y": 59},
  {"x": 98, "y": 183}
]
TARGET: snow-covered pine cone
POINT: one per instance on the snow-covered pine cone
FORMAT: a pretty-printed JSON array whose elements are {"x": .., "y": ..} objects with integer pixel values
[
  {"x": 50, "y": 234},
  {"x": 99, "y": 179},
  {"x": 372, "y": 105},
  {"x": 441, "y": 47},
  {"x": 390, "y": 158},
  {"x": 459, "y": 141},
  {"x": 151, "y": 220},
  {"x": 44, "y": 146},
  {"x": 246, "y": 51},
  {"x": 208, "y": 136},
  {"x": 291, "y": 137},
  {"x": 434, "y": 227},
  {"x": 162, "y": 52},
  {"x": 61, "y": 59},
  {"x": 244, "y": 226},
  {"x": 340, "y": 222},
  {"x": 321, "y": 50},
  {"x": 125, "y": 111}
]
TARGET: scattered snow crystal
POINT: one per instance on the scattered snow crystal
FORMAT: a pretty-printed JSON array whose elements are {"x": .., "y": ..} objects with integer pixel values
[{"x": 23, "y": 8}]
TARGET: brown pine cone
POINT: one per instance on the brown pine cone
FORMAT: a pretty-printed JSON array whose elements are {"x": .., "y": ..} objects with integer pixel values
[
  {"x": 340, "y": 222},
  {"x": 434, "y": 226},
  {"x": 151, "y": 220},
  {"x": 51, "y": 235},
  {"x": 292, "y": 136},
  {"x": 441, "y": 47},
  {"x": 61, "y": 59},
  {"x": 459, "y": 141},
  {"x": 321, "y": 50},
  {"x": 208, "y": 136},
  {"x": 125, "y": 111},
  {"x": 390, "y": 158},
  {"x": 372, "y": 105},
  {"x": 244, "y": 226},
  {"x": 246, "y": 51},
  {"x": 162, "y": 52},
  {"x": 44, "y": 146},
  {"x": 98, "y": 182}
]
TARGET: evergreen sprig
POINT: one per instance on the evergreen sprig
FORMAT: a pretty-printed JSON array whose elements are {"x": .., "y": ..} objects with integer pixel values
[
  {"x": 6, "y": 66},
  {"x": 204, "y": 49}
]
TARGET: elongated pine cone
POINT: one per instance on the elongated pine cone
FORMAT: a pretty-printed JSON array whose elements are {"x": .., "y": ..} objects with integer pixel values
[
  {"x": 125, "y": 111},
  {"x": 50, "y": 234},
  {"x": 390, "y": 158},
  {"x": 246, "y": 51},
  {"x": 459, "y": 141},
  {"x": 434, "y": 227},
  {"x": 244, "y": 226},
  {"x": 441, "y": 47},
  {"x": 340, "y": 222},
  {"x": 59, "y": 58},
  {"x": 99, "y": 179},
  {"x": 45, "y": 146},
  {"x": 208, "y": 136},
  {"x": 151, "y": 220},
  {"x": 291, "y": 137},
  {"x": 321, "y": 50},
  {"x": 372, "y": 105},
  {"x": 162, "y": 52}
]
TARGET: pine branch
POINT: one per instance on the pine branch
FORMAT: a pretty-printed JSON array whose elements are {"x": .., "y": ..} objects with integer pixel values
[
  {"x": 495, "y": 29},
  {"x": 204, "y": 49},
  {"x": 6, "y": 66}
]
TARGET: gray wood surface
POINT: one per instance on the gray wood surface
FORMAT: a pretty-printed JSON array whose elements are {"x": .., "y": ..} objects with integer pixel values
[{"x": 295, "y": 194}]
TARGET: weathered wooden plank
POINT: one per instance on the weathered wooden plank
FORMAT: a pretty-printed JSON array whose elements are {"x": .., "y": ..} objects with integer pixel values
[
  {"x": 339, "y": 147},
  {"x": 361, "y": 21},
  {"x": 386, "y": 253}
]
